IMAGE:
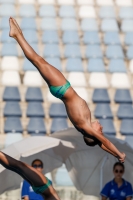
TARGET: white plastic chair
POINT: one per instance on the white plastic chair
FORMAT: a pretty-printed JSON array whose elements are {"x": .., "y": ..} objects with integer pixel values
[
  {"x": 87, "y": 12},
  {"x": 120, "y": 80},
  {"x": 98, "y": 80},
  {"x": 77, "y": 79},
  {"x": 10, "y": 78},
  {"x": 85, "y": 2},
  {"x": 105, "y": 2},
  {"x": 124, "y": 3},
  {"x": 32, "y": 78},
  {"x": 10, "y": 63},
  {"x": 26, "y": 1},
  {"x": 65, "y": 2},
  {"x": 49, "y": 2}
]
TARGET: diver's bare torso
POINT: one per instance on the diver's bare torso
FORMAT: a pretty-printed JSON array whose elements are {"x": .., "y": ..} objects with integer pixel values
[{"x": 77, "y": 110}]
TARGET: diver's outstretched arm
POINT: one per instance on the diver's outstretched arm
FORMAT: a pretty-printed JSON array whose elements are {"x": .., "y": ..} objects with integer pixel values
[
  {"x": 107, "y": 150},
  {"x": 108, "y": 145},
  {"x": 97, "y": 142}
]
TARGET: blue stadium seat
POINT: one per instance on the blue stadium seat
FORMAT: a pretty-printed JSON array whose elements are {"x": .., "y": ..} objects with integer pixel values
[
  {"x": 107, "y": 12},
  {"x": 28, "y": 66},
  {"x": 117, "y": 65},
  {"x": 50, "y": 36},
  {"x": 7, "y": 10},
  {"x": 103, "y": 110},
  {"x": 7, "y": 1},
  {"x": 47, "y": 11},
  {"x": 108, "y": 126},
  {"x": 109, "y": 25},
  {"x": 70, "y": 37},
  {"x": 126, "y": 127},
  {"x": 5, "y": 37},
  {"x": 89, "y": 25},
  {"x": 48, "y": 24},
  {"x": 100, "y": 96},
  {"x": 114, "y": 51},
  {"x": 130, "y": 52},
  {"x": 67, "y": 11},
  {"x": 69, "y": 24},
  {"x": 122, "y": 96},
  {"x": 94, "y": 51},
  {"x": 125, "y": 111},
  {"x": 9, "y": 49},
  {"x": 30, "y": 35},
  {"x": 66, "y": 180},
  {"x": 111, "y": 38},
  {"x": 34, "y": 94},
  {"x": 56, "y": 62},
  {"x": 58, "y": 124},
  {"x": 27, "y": 10},
  {"x": 36, "y": 125},
  {"x": 35, "y": 109},
  {"x": 51, "y": 50},
  {"x": 57, "y": 110},
  {"x": 129, "y": 38},
  {"x": 127, "y": 25},
  {"x": 11, "y": 94},
  {"x": 91, "y": 37},
  {"x": 74, "y": 65},
  {"x": 4, "y": 23},
  {"x": 28, "y": 23},
  {"x": 95, "y": 65},
  {"x": 12, "y": 109},
  {"x": 126, "y": 13},
  {"x": 72, "y": 51},
  {"x": 13, "y": 125}
]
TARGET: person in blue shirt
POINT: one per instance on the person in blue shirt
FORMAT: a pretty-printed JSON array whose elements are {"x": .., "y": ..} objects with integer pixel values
[
  {"x": 118, "y": 188},
  {"x": 27, "y": 192}
]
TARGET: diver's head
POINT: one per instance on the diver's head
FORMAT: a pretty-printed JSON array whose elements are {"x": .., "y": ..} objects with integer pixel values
[{"x": 90, "y": 142}]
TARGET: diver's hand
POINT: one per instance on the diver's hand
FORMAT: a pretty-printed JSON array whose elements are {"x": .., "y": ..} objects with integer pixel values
[{"x": 122, "y": 158}]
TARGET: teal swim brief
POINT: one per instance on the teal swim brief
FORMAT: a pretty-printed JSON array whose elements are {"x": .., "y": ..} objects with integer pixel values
[
  {"x": 59, "y": 91},
  {"x": 41, "y": 189}
]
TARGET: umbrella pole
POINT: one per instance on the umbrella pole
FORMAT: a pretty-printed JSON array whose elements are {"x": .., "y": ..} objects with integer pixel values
[{"x": 101, "y": 171}]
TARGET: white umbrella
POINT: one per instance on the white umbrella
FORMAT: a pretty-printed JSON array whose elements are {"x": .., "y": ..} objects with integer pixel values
[
  {"x": 91, "y": 167},
  {"x": 53, "y": 152}
]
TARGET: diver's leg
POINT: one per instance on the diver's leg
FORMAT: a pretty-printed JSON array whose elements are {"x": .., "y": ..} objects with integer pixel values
[
  {"x": 50, "y": 74},
  {"x": 27, "y": 172}
]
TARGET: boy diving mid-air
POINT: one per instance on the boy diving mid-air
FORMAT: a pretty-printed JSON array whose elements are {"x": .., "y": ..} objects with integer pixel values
[{"x": 77, "y": 109}]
